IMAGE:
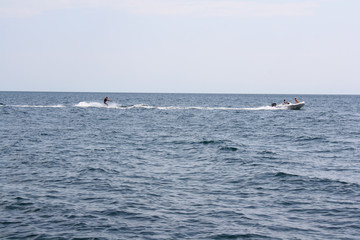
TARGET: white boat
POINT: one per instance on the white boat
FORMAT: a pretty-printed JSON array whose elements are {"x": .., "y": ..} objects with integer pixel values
[
  {"x": 295, "y": 106},
  {"x": 291, "y": 106}
]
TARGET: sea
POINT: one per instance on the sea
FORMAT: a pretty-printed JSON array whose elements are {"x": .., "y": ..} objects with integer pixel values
[{"x": 178, "y": 166}]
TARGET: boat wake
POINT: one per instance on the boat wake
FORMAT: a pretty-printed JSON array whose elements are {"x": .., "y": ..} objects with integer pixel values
[
  {"x": 265, "y": 108},
  {"x": 113, "y": 105},
  {"x": 91, "y": 104}
]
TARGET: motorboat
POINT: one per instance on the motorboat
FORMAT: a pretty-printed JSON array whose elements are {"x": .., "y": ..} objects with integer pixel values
[
  {"x": 291, "y": 106},
  {"x": 295, "y": 106}
]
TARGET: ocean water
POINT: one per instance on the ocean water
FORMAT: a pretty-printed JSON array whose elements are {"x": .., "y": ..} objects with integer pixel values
[{"x": 178, "y": 166}]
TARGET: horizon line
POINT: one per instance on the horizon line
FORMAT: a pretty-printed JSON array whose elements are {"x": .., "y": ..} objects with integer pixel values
[{"x": 210, "y": 93}]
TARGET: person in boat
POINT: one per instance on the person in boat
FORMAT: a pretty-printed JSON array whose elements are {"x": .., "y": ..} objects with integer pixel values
[
  {"x": 285, "y": 102},
  {"x": 297, "y": 101},
  {"x": 106, "y": 100}
]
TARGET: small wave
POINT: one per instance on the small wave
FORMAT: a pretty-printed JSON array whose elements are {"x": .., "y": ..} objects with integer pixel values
[
  {"x": 323, "y": 180},
  {"x": 238, "y": 236},
  {"x": 285, "y": 175},
  {"x": 230, "y": 149},
  {"x": 310, "y": 139},
  {"x": 39, "y": 106},
  {"x": 267, "y": 152},
  {"x": 207, "y": 142}
]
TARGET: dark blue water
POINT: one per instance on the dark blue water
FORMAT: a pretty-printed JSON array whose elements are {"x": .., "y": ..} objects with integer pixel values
[{"x": 178, "y": 166}]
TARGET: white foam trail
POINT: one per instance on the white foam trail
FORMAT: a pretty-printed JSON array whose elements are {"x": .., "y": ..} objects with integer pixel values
[
  {"x": 197, "y": 108},
  {"x": 110, "y": 105},
  {"x": 90, "y": 104},
  {"x": 145, "y": 106},
  {"x": 223, "y": 108},
  {"x": 140, "y": 106},
  {"x": 204, "y": 108},
  {"x": 266, "y": 108}
]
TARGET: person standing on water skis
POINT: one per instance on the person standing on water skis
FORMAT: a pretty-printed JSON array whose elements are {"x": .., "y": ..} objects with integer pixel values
[{"x": 106, "y": 100}]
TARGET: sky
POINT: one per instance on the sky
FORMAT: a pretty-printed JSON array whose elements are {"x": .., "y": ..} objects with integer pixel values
[{"x": 181, "y": 46}]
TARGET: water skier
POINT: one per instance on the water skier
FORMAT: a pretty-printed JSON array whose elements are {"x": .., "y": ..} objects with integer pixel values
[{"x": 106, "y": 100}]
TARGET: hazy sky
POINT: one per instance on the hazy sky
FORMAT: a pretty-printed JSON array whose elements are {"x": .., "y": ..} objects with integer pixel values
[{"x": 195, "y": 46}]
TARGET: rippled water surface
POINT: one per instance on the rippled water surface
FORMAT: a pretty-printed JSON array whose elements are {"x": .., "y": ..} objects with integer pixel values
[{"x": 178, "y": 166}]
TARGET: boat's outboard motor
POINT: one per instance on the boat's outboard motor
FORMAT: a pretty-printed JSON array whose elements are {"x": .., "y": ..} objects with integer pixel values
[{"x": 273, "y": 104}]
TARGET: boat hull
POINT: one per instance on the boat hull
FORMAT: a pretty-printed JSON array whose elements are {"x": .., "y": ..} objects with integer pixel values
[{"x": 296, "y": 106}]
